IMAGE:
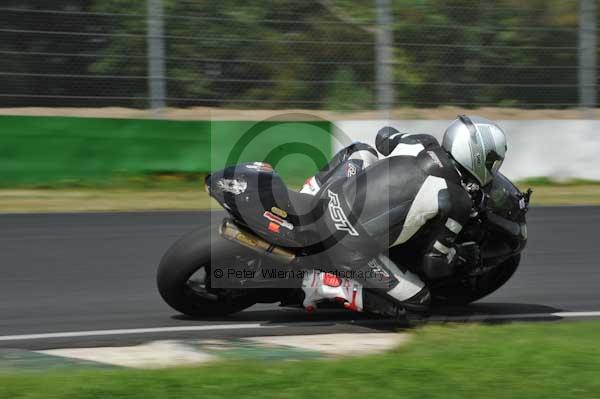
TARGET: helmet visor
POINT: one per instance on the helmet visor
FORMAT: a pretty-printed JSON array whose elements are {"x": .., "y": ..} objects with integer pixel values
[{"x": 493, "y": 162}]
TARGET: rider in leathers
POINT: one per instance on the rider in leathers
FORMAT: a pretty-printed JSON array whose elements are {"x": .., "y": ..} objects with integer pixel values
[{"x": 420, "y": 194}]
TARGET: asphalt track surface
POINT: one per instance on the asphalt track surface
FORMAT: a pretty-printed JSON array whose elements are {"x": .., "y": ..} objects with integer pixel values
[{"x": 85, "y": 273}]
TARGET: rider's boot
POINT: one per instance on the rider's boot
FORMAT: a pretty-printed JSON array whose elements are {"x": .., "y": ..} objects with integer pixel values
[
  {"x": 408, "y": 293},
  {"x": 321, "y": 286}
]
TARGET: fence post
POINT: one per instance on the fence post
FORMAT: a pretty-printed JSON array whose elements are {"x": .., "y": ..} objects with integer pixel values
[
  {"x": 384, "y": 56},
  {"x": 156, "y": 56},
  {"x": 587, "y": 56}
]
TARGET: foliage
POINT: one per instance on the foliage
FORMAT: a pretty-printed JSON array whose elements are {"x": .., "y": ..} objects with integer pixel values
[
  {"x": 347, "y": 94},
  {"x": 280, "y": 54}
]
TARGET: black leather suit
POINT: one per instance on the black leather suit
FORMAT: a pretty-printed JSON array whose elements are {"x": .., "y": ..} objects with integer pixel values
[{"x": 374, "y": 204}]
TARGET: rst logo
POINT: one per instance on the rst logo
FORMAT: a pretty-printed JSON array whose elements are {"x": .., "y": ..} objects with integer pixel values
[{"x": 338, "y": 216}]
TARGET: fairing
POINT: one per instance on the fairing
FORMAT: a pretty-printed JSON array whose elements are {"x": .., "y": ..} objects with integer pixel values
[{"x": 257, "y": 198}]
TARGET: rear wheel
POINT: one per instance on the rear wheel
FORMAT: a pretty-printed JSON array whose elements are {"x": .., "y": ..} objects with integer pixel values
[
  {"x": 184, "y": 275},
  {"x": 482, "y": 286}
]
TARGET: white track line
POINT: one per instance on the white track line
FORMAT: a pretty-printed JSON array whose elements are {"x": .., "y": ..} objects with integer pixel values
[{"x": 75, "y": 334}]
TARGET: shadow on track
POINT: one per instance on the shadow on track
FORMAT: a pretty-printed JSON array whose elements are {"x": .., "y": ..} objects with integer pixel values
[
  {"x": 298, "y": 322},
  {"x": 476, "y": 313}
]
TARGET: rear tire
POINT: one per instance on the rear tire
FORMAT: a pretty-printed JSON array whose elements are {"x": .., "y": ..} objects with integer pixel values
[
  {"x": 184, "y": 258},
  {"x": 461, "y": 294}
]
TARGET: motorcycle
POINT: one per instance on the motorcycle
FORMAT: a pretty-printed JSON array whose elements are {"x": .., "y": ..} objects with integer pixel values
[{"x": 267, "y": 225}]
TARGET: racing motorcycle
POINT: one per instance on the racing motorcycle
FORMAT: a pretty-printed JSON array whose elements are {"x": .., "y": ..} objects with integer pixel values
[{"x": 267, "y": 225}]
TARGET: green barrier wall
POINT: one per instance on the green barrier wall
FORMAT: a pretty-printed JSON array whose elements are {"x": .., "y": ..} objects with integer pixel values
[{"x": 40, "y": 150}]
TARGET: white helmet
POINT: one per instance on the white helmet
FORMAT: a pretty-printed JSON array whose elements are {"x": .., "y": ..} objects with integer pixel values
[{"x": 476, "y": 144}]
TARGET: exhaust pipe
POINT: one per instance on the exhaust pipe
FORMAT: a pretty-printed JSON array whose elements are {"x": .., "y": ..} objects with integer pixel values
[{"x": 232, "y": 232}]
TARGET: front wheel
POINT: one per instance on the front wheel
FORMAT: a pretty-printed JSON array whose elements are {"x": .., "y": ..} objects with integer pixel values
[
  {"x": 463, "y": 293},
  {"x": 183, "y": 276}
]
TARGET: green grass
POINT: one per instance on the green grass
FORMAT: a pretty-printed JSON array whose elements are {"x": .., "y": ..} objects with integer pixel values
[
  {"x": 186, "y": 192},
  {"x": 546, "y": 181},
  {"x": 568, "y": 193},
  {"x": 542, "y": 360}
]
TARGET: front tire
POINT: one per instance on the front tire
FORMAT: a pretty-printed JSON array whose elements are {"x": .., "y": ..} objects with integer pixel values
[
  {"x": 461, "y": 294},
  {"x": 188, "y": 255}
]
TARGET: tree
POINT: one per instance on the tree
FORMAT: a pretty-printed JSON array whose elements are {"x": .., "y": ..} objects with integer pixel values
[
  {"x": 276, "y": 53},
  {"x": 27, "y": 56}
]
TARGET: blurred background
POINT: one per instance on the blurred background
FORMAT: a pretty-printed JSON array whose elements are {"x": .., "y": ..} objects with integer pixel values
[
  {"x": 412, "y": 64},
  {"x": 321, "y": 54}
]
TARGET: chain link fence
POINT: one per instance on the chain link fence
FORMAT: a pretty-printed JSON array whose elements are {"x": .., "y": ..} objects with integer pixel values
[{"x": 314, "y": 54}]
